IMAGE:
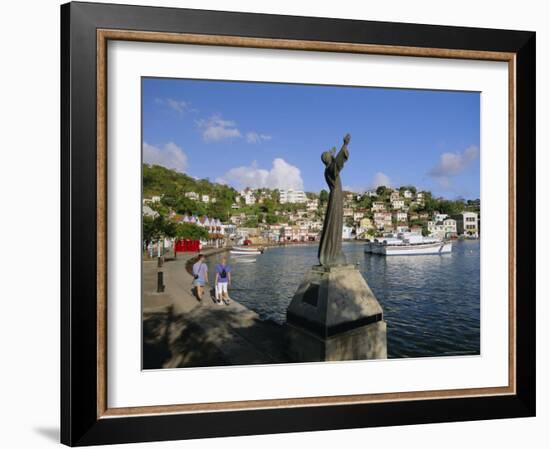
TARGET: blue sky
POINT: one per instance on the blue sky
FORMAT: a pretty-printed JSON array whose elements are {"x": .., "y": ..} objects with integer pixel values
[{"x": 272, "y": 135}]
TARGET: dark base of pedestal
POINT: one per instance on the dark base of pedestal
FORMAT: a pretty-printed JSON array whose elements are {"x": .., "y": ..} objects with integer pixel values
[
  {"x": 334, "y": 315},
  {"x": 363, "y": 343}
]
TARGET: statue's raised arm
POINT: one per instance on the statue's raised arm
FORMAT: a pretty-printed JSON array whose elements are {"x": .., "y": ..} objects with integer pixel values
[{"x": 343, "y": 154}]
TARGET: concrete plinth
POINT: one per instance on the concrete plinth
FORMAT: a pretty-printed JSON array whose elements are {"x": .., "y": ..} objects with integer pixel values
[{"x": 335, "y": 316}]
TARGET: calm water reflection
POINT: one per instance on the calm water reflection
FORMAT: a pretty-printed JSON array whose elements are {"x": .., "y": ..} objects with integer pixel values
[{"x": 431, "y": 303}]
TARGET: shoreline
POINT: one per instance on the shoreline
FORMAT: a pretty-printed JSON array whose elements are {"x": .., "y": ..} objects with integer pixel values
[{"x": 179, "y": 331}]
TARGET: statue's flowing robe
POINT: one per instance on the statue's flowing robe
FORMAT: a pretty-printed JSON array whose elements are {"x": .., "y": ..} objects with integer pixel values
[{"x": 330, "y": 247}]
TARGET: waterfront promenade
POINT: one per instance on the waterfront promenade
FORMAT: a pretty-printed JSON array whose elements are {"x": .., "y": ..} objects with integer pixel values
[{"x": 178, "y": 331}]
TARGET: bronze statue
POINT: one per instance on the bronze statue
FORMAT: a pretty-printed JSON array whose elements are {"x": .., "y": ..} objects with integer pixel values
[{"x": 330, "y": 247}]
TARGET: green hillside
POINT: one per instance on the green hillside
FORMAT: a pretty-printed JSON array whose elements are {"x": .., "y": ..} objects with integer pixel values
[{"x": 172, "y": 186}]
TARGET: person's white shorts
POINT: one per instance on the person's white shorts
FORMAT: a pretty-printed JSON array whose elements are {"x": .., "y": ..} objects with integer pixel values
[{"x": 221, "y": 288}]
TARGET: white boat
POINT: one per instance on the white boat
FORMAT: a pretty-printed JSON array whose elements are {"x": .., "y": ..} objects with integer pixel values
[
  {"x": 245, "y": 253},
  {"x": 246, "y": 250},
  {"x": 408, "y": 243}
]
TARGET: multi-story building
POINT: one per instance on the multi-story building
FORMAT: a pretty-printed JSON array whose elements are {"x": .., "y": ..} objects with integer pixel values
[
  {"x": 348, "y": 212},
  {"x": 436, "y": 229},
  {"x": 205, "y": 198},
  {"x": 378, "y": 206},
  {"x": 439, "y": 217},
  {"x": 312, "y": 205},
  {"x": 316, "y": 225},
  {"x": 394, "y": 196},
  {"x": 292, "y": 196},
  {"x": 450, "y": 227},
  {"x": 467, "y": 224},
  {"x": 407, "y": 194},
  {"x": 398, "y": 204},
  {"x": 382, "y": 220},
  {"x": 443, "y": 229},
  {"x": 400, "y": 216},
  {"x": 248, "y": 196}
]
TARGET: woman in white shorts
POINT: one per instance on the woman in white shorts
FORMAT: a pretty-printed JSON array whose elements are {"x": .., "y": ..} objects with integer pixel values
[{"x": 222, "y": 282}]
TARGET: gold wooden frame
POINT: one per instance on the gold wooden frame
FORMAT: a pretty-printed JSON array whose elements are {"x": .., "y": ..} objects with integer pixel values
[{"x": 104, "y": 35}]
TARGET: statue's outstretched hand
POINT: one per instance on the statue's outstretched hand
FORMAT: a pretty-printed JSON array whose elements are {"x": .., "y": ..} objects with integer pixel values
[{"x": 347, "y": 138}]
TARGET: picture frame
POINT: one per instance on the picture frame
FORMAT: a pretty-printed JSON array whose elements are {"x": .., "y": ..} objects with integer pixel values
[{"x": 86, "y": 28}]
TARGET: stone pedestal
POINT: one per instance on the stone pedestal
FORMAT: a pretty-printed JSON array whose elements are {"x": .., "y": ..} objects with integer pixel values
[{"x": 335, "y": 316}]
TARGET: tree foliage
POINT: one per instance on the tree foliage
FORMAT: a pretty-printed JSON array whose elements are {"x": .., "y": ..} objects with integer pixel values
[
  {"x": 157, "y": 228},
  {"x": 409, "y": 187},
  {"x": 190, "y": 231},
  {"x": 172, "y": 187},
  {"x": 365, "y": 202}
]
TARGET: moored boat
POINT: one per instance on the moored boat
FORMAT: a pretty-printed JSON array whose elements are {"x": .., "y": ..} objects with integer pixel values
[
  {"x": 245, "y": 253},
  {"x": 246, "y": 250},
  {"x": 407, "y": 243}
]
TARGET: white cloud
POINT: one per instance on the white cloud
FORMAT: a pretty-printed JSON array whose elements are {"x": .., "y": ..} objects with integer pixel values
[
  {"x": 179, "y": 106},
  {"x": 254, "y": 137},
  {"x": 169, "y": 156},
  {"x": 452, "y": 164},
  {"x": 380, "y": 179},
  {"x": 282, "y": 175},
  {"x": 355, "y": 189},
  {"x": 215, "y": 129}
]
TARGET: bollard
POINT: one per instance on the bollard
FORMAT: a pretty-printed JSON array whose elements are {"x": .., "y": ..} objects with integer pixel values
[
  {"x": 160, "y": 261},
  {"x": 160, "y": 282}
]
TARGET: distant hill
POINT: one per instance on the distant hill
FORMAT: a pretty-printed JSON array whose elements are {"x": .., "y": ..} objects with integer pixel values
[
  {"x": 158, "y": 180},
  {"x": 172, "y": 187}
]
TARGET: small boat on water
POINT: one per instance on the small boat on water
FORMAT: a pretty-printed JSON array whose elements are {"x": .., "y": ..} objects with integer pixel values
[
  {"x": 408, "y": 243},
  {"x": 246, "y": 250}
]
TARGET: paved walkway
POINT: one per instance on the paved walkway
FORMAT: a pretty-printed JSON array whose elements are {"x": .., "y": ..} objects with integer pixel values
[{"x": 179, "y": 331}]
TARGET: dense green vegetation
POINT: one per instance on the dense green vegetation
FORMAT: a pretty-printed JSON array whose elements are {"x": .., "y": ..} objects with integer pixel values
[
  {"x": 159, "y": 227},
  {"x": 172, "y": 186}
]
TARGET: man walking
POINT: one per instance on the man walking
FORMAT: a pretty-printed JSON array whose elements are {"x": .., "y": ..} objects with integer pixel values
[
  {"x": 200, "y": 276},
  {"x": 223, "y": 280}
]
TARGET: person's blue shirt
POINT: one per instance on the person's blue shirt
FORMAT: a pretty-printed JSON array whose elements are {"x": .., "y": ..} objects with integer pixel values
[{"x": 220, "y": 268}]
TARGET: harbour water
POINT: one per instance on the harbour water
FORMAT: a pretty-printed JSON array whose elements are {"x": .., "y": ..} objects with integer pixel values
[{"x": 431, "y": 303}]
